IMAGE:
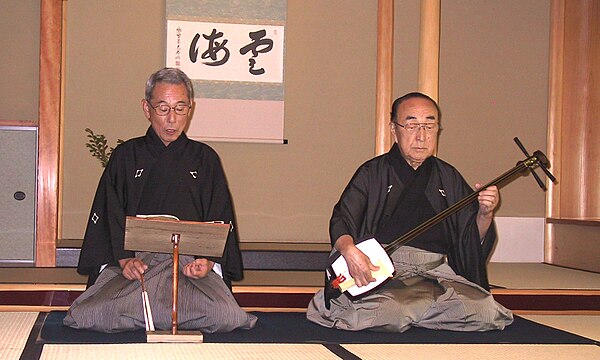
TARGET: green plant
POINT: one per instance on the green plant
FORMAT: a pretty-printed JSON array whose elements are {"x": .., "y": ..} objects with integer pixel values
[{"x": 97, "y": 146}]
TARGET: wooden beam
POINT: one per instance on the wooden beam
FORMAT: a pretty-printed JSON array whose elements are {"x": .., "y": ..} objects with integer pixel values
[{"x": 28, "y": 123}]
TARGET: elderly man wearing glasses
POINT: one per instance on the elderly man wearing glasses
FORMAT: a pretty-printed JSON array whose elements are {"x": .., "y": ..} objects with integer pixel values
[
  {"x": 162, "y": 172},
  {"x": 440, "y": 277}
]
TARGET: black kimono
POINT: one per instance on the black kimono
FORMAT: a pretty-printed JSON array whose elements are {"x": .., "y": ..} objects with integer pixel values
[
  {"x": 364, "y": 209},
  {"x": 144, "y": 177},
  {"x": 372, "y": 195}
]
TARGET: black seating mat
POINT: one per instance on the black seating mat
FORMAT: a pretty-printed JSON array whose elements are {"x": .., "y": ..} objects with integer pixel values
[{"x": 292, "y": 327}]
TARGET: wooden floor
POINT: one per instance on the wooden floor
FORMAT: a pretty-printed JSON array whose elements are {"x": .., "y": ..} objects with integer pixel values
[
  {"x": 522, "y": 287},
  {"x": 535, "y": 276}
]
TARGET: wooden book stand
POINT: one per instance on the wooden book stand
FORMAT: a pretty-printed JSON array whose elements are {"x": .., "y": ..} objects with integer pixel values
[{"x": 163, "y": 235}]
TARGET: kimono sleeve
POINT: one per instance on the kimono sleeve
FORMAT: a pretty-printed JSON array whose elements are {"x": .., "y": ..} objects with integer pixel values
[
  {"x": 103, "y": 242},
  {"x": 349, "y": 212},
  {"x": 219, "y": 205},
  {"x": 468, "y": 252}
]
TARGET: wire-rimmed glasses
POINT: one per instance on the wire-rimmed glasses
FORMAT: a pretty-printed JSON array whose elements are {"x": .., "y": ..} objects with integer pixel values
[
  {"x": 414, "y": 127},
  {"x": 164, "y": 109}
]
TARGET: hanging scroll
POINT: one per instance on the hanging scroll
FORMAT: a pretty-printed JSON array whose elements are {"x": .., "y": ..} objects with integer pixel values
[{"x": 234, "y": 55}]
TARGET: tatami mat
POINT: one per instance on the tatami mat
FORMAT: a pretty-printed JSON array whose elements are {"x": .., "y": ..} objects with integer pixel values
[
  {"x": 541, "y": 276},
  {"x": 14, "y": 331},
  {"x": 583, "y": 325},
  {"x": 49, "y": 275},
  {"x": 15, "y": 328},
  {"x": 187, "y": 351},
  {"x": 487, "y": 351}
]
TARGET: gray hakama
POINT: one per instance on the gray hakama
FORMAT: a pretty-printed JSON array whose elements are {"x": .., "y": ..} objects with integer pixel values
[
  {"x": 424, "y": 293},
  {"x": 114, "y": 304}
]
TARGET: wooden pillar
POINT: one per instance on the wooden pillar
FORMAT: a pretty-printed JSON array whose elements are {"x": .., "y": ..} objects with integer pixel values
[
  {"x": 385, "y": 57},
  {"x": 557, "y": 34},
  {"x": 49, "y": 132},
  {"x": 429, "y": 48}
]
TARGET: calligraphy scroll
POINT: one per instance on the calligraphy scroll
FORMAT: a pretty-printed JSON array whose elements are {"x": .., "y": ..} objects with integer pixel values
[{"x": 234, "y": 54}]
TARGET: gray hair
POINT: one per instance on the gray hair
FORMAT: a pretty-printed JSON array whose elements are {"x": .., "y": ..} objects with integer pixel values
[{"x": 170, "y": 76}]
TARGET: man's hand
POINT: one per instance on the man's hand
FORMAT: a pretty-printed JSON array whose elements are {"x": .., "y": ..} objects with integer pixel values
[
  {"x": 488, "y": 201},
  {"x": 359, "y": 264},
  {"x": 132, "y": 268},
  {"x": 198, "y": 268}
]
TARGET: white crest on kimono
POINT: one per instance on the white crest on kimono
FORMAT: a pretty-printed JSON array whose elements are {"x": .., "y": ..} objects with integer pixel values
[
  {"x": 138, "y": 173},
  {"x": 443, "y": 192},
  {"x": 95, "y": 218},
  {"x": 194, "y": 174},
  {"x": 390, "y": 188}
]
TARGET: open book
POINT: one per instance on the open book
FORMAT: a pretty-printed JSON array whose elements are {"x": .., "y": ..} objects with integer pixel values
[{"x": 173, "y": 217}]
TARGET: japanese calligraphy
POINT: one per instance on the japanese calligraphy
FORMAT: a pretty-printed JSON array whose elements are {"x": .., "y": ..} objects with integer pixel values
[
  {"x": 214, "y": 47},
  {"x": 259, "y": 45},
  {"x": 226, "y": 51}
]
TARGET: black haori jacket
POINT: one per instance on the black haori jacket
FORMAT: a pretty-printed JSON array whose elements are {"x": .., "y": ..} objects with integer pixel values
[
  {"x": 375, "y": 187},
  {"x": 143, "y": 176}
]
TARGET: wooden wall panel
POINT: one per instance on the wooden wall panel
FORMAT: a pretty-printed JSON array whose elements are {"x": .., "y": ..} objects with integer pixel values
[
  {"x": 576, "y": 245},
  {"x": 580, "y": 148},
  {"x": 573, "y": 205}
]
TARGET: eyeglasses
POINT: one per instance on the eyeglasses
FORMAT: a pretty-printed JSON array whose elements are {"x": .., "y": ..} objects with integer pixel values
[
  {"x": 414, "y": 127},
  {"x": 164, "y": 109}
]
